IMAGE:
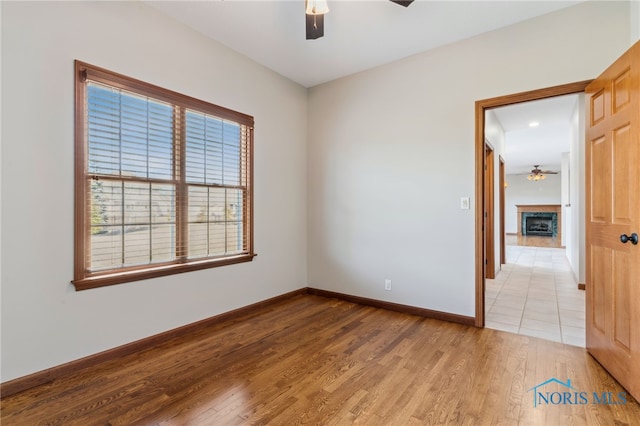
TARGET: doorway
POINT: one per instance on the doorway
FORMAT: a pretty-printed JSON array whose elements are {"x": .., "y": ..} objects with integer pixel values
[
  {"x": 535, "y": 292},
  {"x": 481, "y": 200}
]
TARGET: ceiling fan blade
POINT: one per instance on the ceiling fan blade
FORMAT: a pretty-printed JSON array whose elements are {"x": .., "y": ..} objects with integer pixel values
[
  {"x": 315, "y": 26},
  {"x": 315, "y": 23},
  {"x": 548, "y": 172},
  {"x": 404, "y": 3}
]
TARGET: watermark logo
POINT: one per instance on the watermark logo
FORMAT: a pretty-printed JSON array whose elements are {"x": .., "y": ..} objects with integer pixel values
[{"x": 569, "y": 395}]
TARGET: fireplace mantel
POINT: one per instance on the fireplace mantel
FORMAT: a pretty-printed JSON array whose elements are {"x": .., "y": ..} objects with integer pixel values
[{"x": 541, "y": 208}]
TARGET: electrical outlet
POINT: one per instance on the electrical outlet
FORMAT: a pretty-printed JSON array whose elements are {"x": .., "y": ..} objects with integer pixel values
[
  {"x": 464, "y": 203},
  {"x": 387, "y": 284}
]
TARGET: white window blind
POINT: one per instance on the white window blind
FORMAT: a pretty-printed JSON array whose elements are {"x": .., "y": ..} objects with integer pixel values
[{"x": 217, "y": 180}]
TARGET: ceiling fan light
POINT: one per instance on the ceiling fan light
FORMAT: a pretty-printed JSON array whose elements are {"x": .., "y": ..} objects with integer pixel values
[
  {"x": 316, "y": 7},
  {"x": 536, "y": 177}
]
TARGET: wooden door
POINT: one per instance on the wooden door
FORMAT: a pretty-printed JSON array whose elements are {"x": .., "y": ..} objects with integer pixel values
[
  {"x": 489, "y": 242},
  {"x": 613, "y": 210},
  {"x": 502, "y": 185}
]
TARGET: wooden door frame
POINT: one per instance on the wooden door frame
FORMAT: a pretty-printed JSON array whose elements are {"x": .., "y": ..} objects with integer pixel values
[
  {"x": 501, "y": 191},
  {"x": 480, "y": 109},
  {"x": 489, "y": 209}
]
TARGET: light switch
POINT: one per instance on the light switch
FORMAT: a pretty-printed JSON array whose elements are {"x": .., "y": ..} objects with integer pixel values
[{"x": 464, "y": 203}]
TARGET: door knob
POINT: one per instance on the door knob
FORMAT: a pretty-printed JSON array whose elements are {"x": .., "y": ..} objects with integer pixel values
[{"x": 633, "y": 238}]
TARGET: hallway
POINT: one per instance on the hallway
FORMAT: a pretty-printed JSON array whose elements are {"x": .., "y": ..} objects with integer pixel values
[{"x": 535, "y": 294}]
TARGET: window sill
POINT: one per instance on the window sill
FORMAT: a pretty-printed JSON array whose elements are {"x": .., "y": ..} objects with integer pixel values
[{"x": 107, "y": 279}]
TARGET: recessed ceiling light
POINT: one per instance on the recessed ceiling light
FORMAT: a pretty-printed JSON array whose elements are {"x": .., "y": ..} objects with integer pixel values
[{"x": 534, "y": 124}]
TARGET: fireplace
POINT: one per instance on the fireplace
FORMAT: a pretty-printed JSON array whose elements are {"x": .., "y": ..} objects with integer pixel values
[
  {"x": 544, "y": 224},
  {"x": 541, "y": 225},
  {"x": 542, "y": 220}
]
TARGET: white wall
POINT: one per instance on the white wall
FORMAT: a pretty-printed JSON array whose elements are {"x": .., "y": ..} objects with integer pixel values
[
  {"x": 1, "y": 202},
  {"x": 45, "y": 322},
  {"x": 523, "y": 191},
  {"x": 391, "y": 151},
  {"x": 495, "y": 135},
  {"x": 634, "y": 17}
]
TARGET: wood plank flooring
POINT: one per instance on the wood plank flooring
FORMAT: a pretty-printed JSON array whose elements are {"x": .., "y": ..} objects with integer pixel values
[
  {"x": 314, "y": 360},
  {"x": 533, "y": 241}
]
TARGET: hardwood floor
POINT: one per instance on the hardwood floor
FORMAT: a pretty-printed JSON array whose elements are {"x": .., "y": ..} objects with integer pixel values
[
  {"x": 533, "y": 241},
  {"x": 315, "y": 360}
]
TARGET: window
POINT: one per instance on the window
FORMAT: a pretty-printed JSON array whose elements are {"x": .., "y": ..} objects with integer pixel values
[{"x": 163, "y": 181}]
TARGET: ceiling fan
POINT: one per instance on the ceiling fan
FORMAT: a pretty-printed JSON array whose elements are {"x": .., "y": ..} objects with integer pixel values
[
  {"x": 315, "y": 11},
  {"x": 536, "y": 174}
]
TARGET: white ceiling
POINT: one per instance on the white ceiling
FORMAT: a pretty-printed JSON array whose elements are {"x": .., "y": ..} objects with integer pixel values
[
  {"x": 527, "y": 146},
  {"x": 358, "y": 34},
  {"x": 362, "y": 34}
]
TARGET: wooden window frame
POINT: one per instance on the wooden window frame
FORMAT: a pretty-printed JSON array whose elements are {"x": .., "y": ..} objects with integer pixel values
[{"x": 84, "y": 278}]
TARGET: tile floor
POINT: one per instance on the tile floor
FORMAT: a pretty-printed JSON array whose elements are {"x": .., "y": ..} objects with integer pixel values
[{"x": 535, "y": 294}]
